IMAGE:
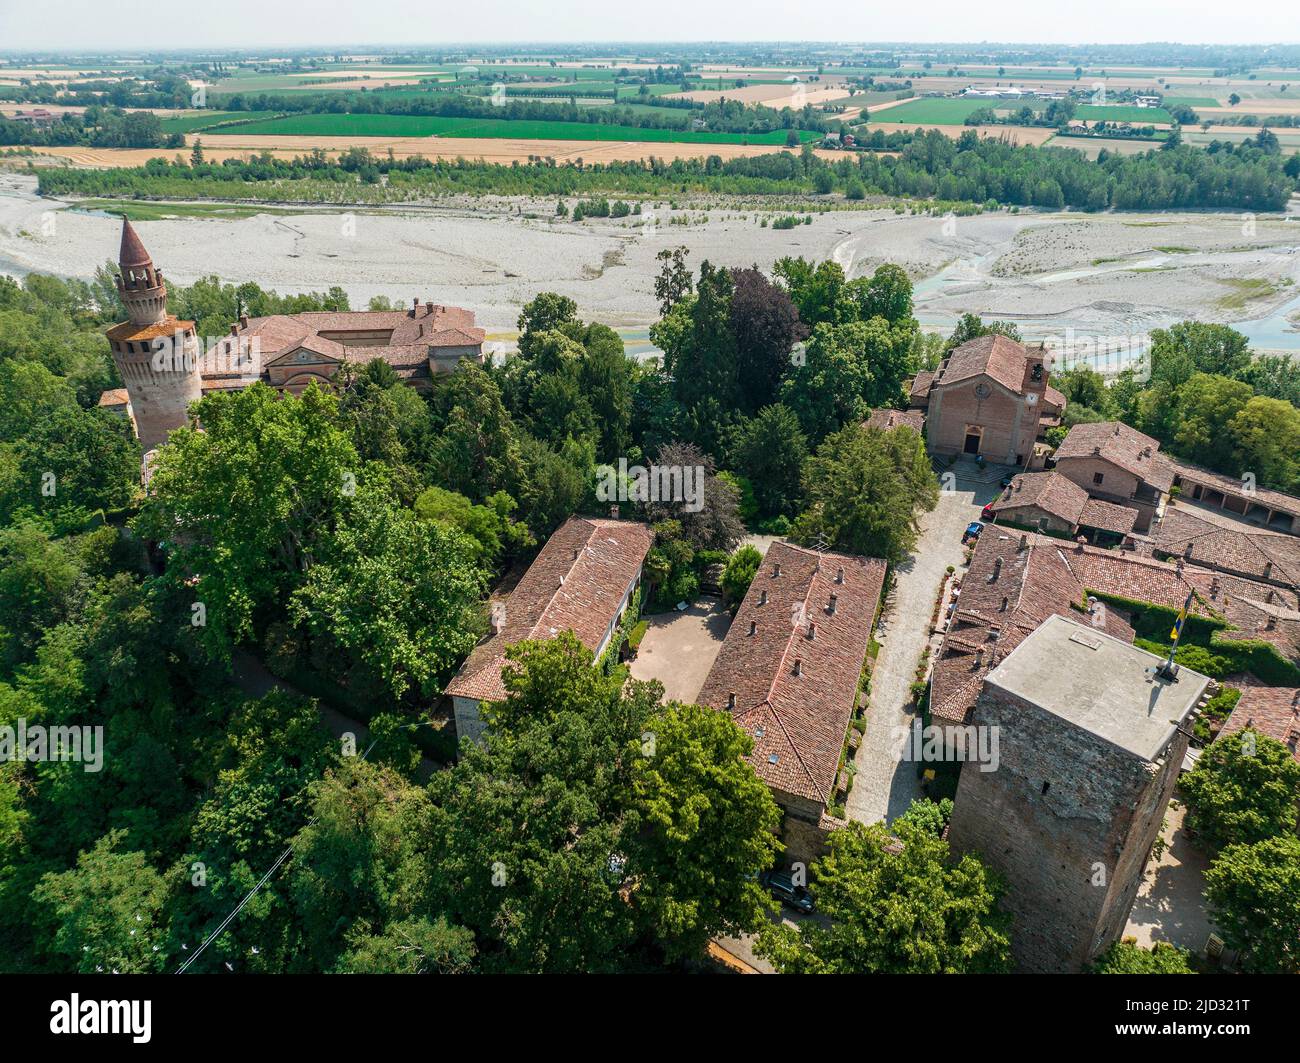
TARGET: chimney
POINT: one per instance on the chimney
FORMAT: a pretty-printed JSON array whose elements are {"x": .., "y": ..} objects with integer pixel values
[
  {"x": 415, "y": 306},
  {"x": 812, "y": 631},
  {"x": 798, "y": 666},
  {"x": 776, "y": 569},
  {"x": 243, "y": 321},
  {"x": 731, "y": 700},
  {"x": 1020, "y": 483},
  {"x": 1024, "y": 541},
  {"x": 839, "y": 575},
  {"x": 576, "y": 553},
  {"x": 234, "y": 330},
  {"x": 1096, "y": 450},
  {"x": 1117, "y": 428},
  {"x": 613, "y": 512},
  {"x": 1005, "y": 602},
  {"x": 1179, "y": 566},
  {"x": 1146, "y": 451},
  {"x": 1187, "y": 550},
  {"x": 429, "y": 306},
  {"x": 1268, "y": 569},
  {"x": 762, "y": 597},
  {"x": 997, "y": 569},
  {"x": 979, "y": 656},
  {"x": 830, "y": 608},
  {"x": 753, "y": 627}
]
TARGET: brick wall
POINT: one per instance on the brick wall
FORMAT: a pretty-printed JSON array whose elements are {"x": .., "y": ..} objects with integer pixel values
[
  {"x": 1009, "y": 425},
  {"x": 1068, "y": 821}
]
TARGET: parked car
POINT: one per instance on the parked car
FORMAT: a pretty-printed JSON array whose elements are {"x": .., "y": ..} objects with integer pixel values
[
  {"x": 782, "y": 887},
  {"x": 972, "y": 531},
  {"x": 986, "y": 514}
]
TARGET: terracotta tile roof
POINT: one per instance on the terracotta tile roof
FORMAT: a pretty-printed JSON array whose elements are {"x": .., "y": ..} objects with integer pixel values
[
  {"x": 995, "y": 356},
  {"x": 1262, "y": 555},
  {"x": 1054, "y": 398},
  {"x": 114, "y": 397},
  {"x": 1272, "y": 711},
  {"x": 887, "y": 419},
  {"x": 1265, "y": 496},
  {"x": 129, "y": 330},
  {"x": 1107, "y": 516},
  {"x": 1014, "y": 583},
  {"x": 132, "y": 252},
  {"x": 798, "y": 722},
  {"x": 1122, "y": 446},
  {"x": 576, "y": 583},
  {"x": 1049, "y": 491},
  {"x": 919, "y": 391}
]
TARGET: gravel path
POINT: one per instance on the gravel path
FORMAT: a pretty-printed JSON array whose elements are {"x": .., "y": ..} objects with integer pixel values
[{"x": 884, "y": 787}]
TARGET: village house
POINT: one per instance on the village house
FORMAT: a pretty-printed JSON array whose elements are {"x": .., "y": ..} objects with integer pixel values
[
  {"x": 1271, "y": 711},
  {"x": 583, "y": 581},
  {"x": 989, "y": 398},
  {"x": 1235, "y": 548},
  {"x": 1091, "y": 742},
  {"x": 788, "y": 672},
  {"x": 166, "y": 369},
  {"x": 1018, "y": 580},
  {"x": 1276, "y": 511},
  {"x": 1047, "y": 501},
  {"x": 889, "y": 419},
  {"x": 1117, "y": 464}
]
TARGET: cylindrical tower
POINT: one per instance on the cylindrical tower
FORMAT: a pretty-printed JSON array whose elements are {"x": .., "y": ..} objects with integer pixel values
[{"x": 156, "y": 354}]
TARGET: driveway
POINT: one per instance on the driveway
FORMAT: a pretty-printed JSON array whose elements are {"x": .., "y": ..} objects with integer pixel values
[
  {"x": 679, "y": 648},
  {"x": 885, "y": 786}
]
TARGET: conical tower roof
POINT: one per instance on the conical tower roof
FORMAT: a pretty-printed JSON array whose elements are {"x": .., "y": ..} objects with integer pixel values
[{"x": 133, "y": 252}]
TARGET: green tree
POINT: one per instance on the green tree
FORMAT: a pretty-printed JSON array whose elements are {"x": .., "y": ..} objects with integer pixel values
[
  {"x": 107, "y": 911},
  {"x": 741, "y": 568},
  {"x": 1254, "y": 897},
  {"x": 1244, "y": 788},
  {"x": 1126, "y": 957},
  {"x": 895, "y": 901},
  {"x": 770, "y": 450},
  {"x": 866, "y": 487}
]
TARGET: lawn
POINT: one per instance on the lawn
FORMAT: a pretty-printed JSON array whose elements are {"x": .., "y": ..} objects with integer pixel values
[{"x": 404, "y": 125}]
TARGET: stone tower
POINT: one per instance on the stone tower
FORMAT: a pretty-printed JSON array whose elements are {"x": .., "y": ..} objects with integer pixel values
[
  {"x": 1090, "y": 743},
  {"x": 156, "y": 354}
]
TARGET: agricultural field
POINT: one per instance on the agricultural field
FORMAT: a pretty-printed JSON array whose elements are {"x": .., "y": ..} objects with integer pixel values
[
  {"x": 402, "y": 125},
  {"x": 950, "y": 111}
]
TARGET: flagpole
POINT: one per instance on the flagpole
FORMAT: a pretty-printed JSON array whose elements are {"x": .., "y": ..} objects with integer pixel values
[{"x": 1169, "y": 670}]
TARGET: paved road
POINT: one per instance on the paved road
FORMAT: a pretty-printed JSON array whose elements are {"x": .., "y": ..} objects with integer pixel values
[
  {"x": 885, "y": 787},
  {"x": 1170, "y": 904}
]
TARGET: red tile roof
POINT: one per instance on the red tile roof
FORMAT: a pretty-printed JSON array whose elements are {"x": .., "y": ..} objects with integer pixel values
[
  {"x": 576, "y": 583},
  {"x": 1262, "y": 555},
  {"x": 1122, "y": 446},
  {"x": 887, "y": 419},
  {"x": 1107, "y": 516},
  {"x": 1014, "y": 583},
  {"x": 798, "y": 721},
  {"x": 132, "y": 252},
  {"x": 1272, "y": 711},
  {"x": 1265, "y": 496},
  {"x": 994, "y": 356},
  {"x": 1049, "y": 491}
]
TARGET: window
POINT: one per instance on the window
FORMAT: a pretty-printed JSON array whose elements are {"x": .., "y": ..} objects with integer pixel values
[{"x": 1097, "y": 477}]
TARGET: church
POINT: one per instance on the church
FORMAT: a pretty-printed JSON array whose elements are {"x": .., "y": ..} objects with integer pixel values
[{"x": 165, "y": 367}]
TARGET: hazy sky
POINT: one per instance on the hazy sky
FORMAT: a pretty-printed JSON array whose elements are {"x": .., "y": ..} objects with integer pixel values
[{"x": 150, "y": 24}]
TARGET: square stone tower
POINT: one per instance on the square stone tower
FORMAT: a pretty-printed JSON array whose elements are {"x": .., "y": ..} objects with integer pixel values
[{"x": 1090, "y": 744}]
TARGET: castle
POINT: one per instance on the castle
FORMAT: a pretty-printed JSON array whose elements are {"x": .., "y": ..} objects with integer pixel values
[{"x": 166, "y": 368}]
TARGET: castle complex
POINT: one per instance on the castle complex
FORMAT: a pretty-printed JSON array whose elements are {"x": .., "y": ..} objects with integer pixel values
[{"x": 165, "y": 368}]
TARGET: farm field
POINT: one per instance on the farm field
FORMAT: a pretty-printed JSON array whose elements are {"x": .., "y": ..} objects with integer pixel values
[
  {"x": 955, "y": 111},
  {"x": 401, "y": 125}
]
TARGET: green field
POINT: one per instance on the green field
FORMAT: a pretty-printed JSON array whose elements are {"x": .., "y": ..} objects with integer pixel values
[
  {"x": 954, "y": 111},
  {"x": 944, "y": 111},
  {"x": 1122, "y": 112},
  {"x": 403, "y": 125},
  {"x": 1191, "y": 101},
  {"x": 188, "y": 123}
]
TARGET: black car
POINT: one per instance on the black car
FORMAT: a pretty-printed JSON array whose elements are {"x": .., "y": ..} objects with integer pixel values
[{"x": 781, "y": 885}]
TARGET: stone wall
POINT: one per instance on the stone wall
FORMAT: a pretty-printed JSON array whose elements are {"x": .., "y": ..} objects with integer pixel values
[{"x": 1068, "y": 820}]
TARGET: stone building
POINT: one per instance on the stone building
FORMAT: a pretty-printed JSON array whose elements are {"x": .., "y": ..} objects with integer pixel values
[
  {"x": 1090, "y": 745},
  {"x": 788, "y": 674},
  {"x": 156, "y": 354},
  {"x": 165, "y": 367},
  {"x": 1047, "y": 501},
  {"x": 1117, "y": 464},
  {"x": 990, "y": 397},
  {"x": 582, "y": 581}
]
